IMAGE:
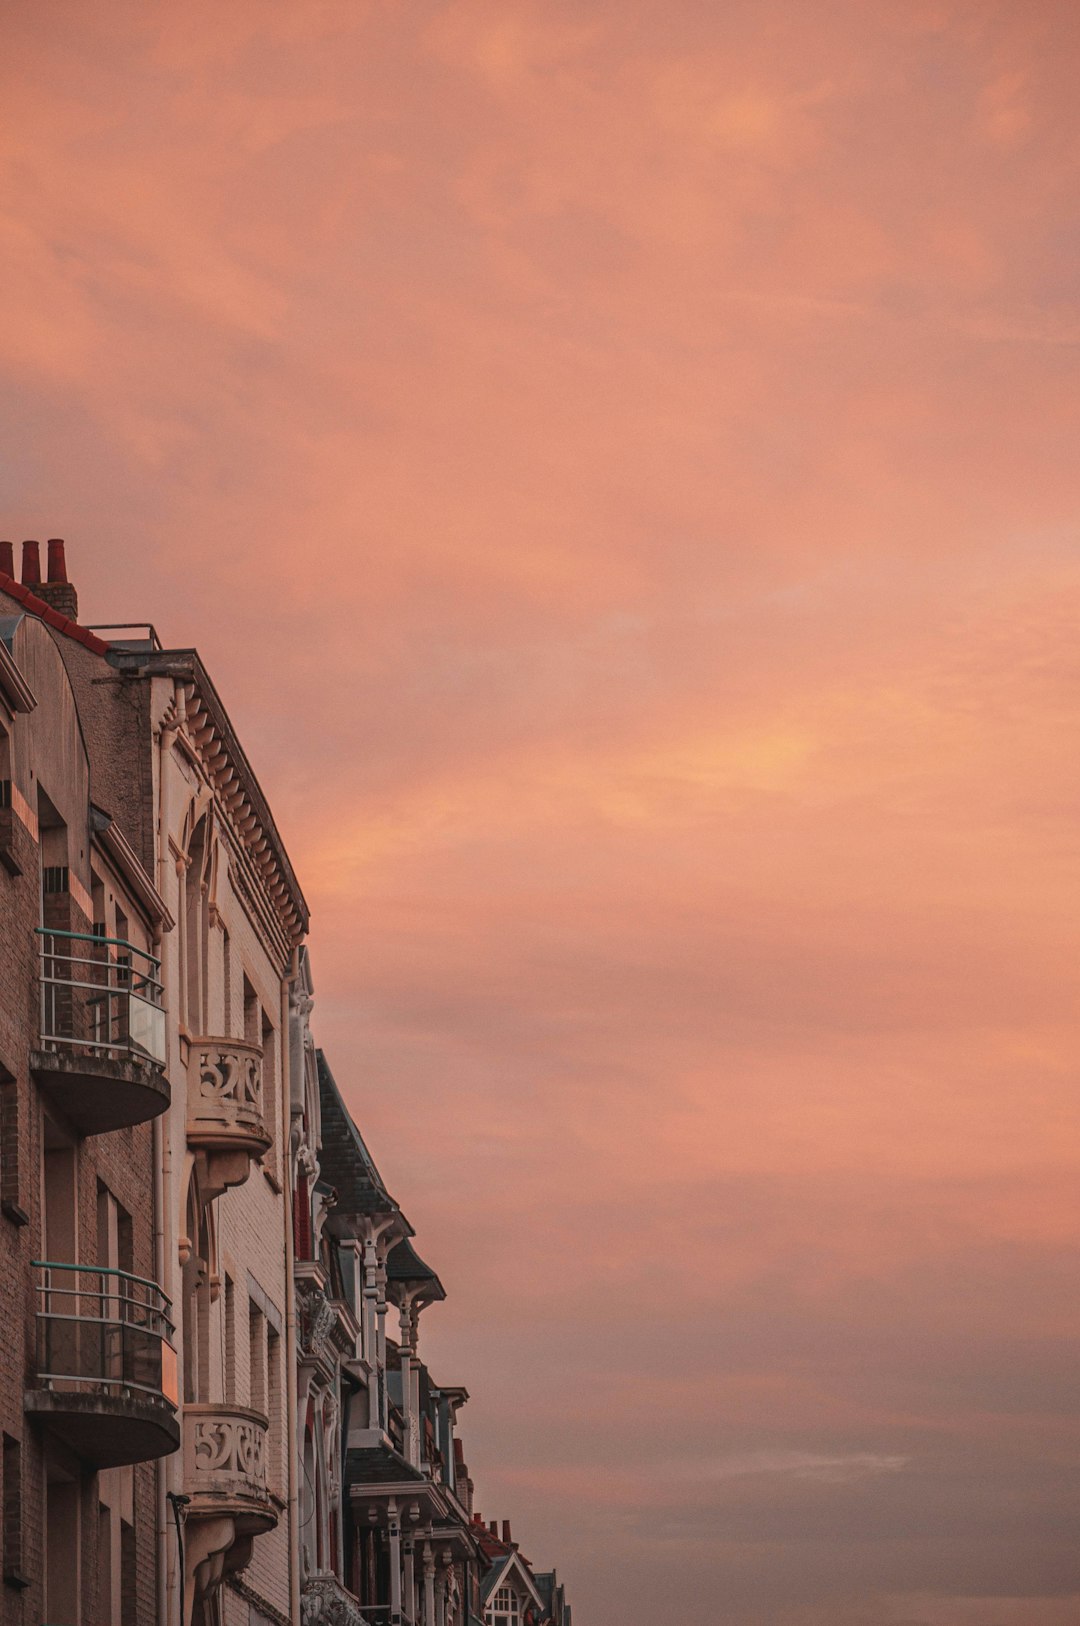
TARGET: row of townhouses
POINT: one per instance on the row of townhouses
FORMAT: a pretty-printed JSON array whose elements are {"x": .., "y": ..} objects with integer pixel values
[{"x": 214, "y": 1404}]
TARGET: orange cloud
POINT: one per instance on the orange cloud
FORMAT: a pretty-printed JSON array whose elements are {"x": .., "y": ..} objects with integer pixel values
[{"x": 618, "y": 466}]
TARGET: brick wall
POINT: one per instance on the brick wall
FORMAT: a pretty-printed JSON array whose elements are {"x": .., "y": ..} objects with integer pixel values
[{"x": 49, "y": 752}]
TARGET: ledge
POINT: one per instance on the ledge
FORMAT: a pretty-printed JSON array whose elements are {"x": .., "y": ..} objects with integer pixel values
[
  {"x": 107, "y": 1431},
  {"x": 98, "y": 1093}
]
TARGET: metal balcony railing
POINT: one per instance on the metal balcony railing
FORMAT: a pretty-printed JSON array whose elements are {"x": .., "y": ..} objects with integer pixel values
[
  {"x": 103, "y": 1331},
  {"x": 100, "y": 994}
]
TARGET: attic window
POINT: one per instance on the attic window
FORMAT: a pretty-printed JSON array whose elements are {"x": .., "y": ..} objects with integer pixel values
[{"x": 504, "y": 1608}]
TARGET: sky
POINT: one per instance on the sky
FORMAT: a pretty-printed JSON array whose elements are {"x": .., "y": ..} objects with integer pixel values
[{"x": 618, "y": 463}]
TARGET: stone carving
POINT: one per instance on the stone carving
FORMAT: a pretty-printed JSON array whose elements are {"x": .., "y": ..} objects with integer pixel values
[
  {"x": 316, "y": 1319},
  {"x": 325, "y": 1602},
  {"x": 230, "y": 1078},
  {"x": 225, "y": 1110},
  {"x": 227, "y": 1452}
]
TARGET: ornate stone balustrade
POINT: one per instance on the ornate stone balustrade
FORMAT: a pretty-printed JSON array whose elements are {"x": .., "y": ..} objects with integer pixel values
[
  {"x": 225, "y": 1464},
  {"x": 225, "y": 1109}
]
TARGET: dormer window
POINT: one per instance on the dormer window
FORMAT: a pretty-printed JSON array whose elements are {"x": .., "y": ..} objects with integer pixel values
[{"x": 504, "y": 1608}]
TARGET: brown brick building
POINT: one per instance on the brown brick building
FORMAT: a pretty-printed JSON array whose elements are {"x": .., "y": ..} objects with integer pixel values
[
  {"x": 213, "y": 1407},
  {"x": 87, "y": 1367}
]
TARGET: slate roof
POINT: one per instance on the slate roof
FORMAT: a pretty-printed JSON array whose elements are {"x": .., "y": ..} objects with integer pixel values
[
  {"x": 344, "y": 1161},
  {"x": 378, "y": 1465},
  {"x": 404, "y": 1264}
]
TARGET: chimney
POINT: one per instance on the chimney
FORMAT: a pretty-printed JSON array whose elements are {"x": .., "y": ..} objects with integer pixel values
[
  {"x": 494, "y": 1528},
  {"x": 57, "y": 562},
  {"x": 31, "y": 564},
  {"x": 57, "y": 591},
  {"x": 7, "y": 558},
  {"x": 507, "y": 1537}
]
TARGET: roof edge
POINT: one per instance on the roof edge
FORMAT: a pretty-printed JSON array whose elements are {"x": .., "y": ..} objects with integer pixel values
[
  {"x": 45, "y": 612},
  {"x": 187, "y": 664}
]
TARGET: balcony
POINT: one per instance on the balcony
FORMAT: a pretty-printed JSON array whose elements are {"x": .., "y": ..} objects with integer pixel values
[
  {"x": 225, "y": 1466},
  {"x": 225, "y": 1110},
  {"x": 102, "y": 1054},
  {"x": 105, "y": 1378}
]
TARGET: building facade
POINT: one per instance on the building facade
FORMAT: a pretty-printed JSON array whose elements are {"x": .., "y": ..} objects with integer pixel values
[
  {"x": 215, "y": 1409},
  {"x": 88, "y": 1376}
]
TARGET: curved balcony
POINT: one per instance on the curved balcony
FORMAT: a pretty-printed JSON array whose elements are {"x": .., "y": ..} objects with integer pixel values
[
  {"x": 105, "y": 1378},
  {"x": 225, "y": 1109},
  {"x": 225, "y": 1466},
  {"x": 102, "y": 1054}
]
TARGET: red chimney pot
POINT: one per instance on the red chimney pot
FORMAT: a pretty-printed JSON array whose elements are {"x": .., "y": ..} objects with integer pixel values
[
  {"x": 31, "y": 564},
  {"x": 7, "y": 558},
  {"x": 57, "y": 562},
  {"x": 507, "y": 1537},
  {"x": 494, "y": 1527}
]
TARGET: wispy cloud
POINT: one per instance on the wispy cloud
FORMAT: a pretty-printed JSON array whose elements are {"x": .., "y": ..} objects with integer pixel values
[
  {"x": 833, "y": 1470},
  {"x": 618, "y": 464}
]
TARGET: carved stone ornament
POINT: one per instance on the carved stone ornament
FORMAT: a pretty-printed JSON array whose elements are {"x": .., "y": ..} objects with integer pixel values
[
  {"x": 227, "y": 1450},
  {"x": 325, "y": 1602},
  {"x": 230, "y": 1078},
  {"x": 225, "y": 1110},
  {"x": 316, "y": 1320}
]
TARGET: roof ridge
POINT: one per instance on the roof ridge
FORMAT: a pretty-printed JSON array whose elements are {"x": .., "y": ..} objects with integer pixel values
[{"x": 45, "y": 612}]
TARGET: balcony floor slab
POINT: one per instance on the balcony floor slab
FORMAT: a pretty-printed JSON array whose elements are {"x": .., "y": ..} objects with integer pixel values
[
  {"x": 107, "y": 1431},
  {"x": 101, "y": 1093}
]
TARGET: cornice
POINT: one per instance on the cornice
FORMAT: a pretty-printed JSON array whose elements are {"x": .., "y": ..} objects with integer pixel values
[{"x": 270, "y": 883}]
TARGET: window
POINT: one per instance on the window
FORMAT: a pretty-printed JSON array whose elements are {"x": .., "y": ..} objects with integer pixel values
[
  {"x": 504, "y": 1608},
  {"x": 129, "y": 1595},
  {"x": 267, "y": 1375},
  {"x": 257, "y": 1357},
  {"x": 273, "y": 1403},
  {"x": 63, "y": 1545},
  {"x": 53, "y": 857},
  {"x": 59, "y": 1193},
  {"x": 229, "y": 1386},
  {"x": 11, "y": 1203},
  {"x": 195, "y": 921},
  {"x": 13, "y": 1570},
  {"x": 226, "y": 968},
  {"x": 268, "y": 1039},
  {"x": 252, "y": 1016}
]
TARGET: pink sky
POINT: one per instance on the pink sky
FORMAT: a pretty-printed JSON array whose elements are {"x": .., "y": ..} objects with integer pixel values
[{"x": 618, "y": 463}]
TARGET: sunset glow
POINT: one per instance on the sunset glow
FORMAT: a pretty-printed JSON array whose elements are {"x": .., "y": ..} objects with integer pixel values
[{"x": 617, "y": 462}]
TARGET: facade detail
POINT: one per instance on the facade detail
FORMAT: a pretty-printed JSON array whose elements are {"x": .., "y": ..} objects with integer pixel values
[{"x": 216, "y": 1408}]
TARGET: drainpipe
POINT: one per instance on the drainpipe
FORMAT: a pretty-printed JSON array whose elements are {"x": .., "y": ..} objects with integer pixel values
[
  {"x": 163, "y": 1193},
  {"x": 159, "y": 1276},
  {"x": 285, "y": 1130}
]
